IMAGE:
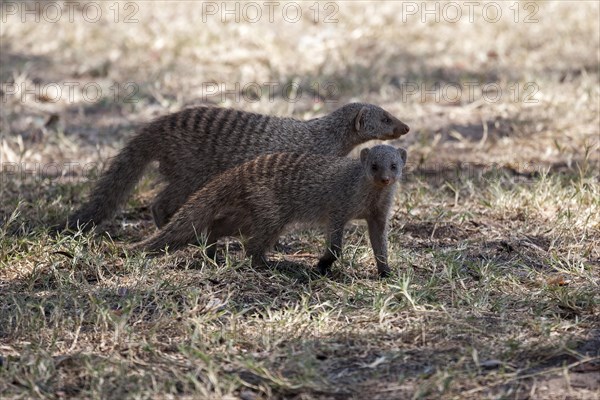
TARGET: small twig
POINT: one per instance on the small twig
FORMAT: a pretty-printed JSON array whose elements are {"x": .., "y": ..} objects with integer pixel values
[
  {"x": 485, "y": 133},
  {"x": 303, "y": 255}
]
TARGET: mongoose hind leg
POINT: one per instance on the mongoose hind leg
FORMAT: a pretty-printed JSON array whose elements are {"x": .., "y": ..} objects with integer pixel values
[
  {"x": 211, "y": 245},
  {"x": 258, "y": 243},
  {"x": 256, "y": 249},
  {"x": 159, "y": 213},
  {"x": 335, "y": 235},
  {"x": 168, "y": 201},
  {"x": 224, "y": 225}
]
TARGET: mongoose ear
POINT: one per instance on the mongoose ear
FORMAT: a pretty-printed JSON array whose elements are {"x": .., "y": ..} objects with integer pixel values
[
  {"x": 363, "y": 155},
  {"x": 403, "y": 154},
  {"x": 359, "y": 121}
]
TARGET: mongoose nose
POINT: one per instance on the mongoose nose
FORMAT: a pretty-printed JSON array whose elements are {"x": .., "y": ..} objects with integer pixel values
[
  {"x": 402, "y": 129},
  {"x": 386, "y": 181}
]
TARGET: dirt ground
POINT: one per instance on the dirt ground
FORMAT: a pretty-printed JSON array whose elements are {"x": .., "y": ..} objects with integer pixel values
[{"x": 495, "y": 236}]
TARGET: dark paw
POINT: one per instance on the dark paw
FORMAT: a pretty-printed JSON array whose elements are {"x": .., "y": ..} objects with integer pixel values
[
  {"x": 211, "y": 252},
  {"x": 55, "y": 230},
  {"x": 324, "y": 268},
  {"x": 259, "y": 261},
  {"x": 384, "y": 272}
]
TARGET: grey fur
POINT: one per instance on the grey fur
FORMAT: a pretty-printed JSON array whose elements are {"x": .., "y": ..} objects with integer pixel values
[
  {"x": 194, "y": 145},
  {"x": 257, "y": 200}
]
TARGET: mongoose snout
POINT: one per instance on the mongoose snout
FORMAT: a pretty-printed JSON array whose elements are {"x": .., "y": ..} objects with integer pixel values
[
  {"x": 259, "y": 199},
  {"x": 376, "y": 123},
  {"x": 401, "y": 128}
]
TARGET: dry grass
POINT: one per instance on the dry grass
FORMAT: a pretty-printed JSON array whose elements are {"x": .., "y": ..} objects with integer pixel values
[{"x": 495, "y": 239}]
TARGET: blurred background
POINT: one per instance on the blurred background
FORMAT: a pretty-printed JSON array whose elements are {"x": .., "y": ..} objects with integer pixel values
[{"x": 512, "y": 83}]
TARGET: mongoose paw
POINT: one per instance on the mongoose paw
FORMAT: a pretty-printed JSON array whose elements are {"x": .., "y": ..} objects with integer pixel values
[
  {"x": 259, "y": 261},
  {"x": 384, "y": 272},
  {"x": 324, "y": 268},
  {"x": 211, "y": 252},
  {"x": 63, "y": 228},
  {"x": 56, "y": 230}
]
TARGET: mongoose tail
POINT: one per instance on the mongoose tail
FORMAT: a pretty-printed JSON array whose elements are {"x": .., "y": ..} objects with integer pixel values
[
  {"x": 188, "y": 226},
  {"x": 172, "y": 239},
  {"x": 115, "y": 185}
]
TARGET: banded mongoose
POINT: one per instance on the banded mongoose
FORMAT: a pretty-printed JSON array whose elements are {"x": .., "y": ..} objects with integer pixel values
[
  {"x": 194, "y": 145},
  {"x": 257, "y": 200}
]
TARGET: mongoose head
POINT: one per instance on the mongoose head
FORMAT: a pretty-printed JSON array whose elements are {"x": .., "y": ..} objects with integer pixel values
[
  {"x": 383, "y": 164},
  {"x": 372, "y": 122}
]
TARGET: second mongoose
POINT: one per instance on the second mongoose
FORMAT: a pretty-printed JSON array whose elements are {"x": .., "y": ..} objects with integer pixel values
[
  {"x": 194, "y": 145},
  {"x": 259, "y": 199}
]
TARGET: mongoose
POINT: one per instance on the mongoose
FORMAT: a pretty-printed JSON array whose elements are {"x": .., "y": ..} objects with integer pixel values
[
  {"x": 258, "y": 199},
  {"x": 194, "y": 145}
]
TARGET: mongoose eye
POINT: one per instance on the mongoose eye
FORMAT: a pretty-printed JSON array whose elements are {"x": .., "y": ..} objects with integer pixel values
[
  {"x": 374, "y": 167},
  {"x": 394, "y": 167},
  {"x": 387, "y": 120}
]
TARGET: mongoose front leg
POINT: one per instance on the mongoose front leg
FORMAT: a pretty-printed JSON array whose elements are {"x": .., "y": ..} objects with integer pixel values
[
  {"x": 378, "y": 232},
  {"x": 223, "y": 225},
  {"x": 161, "y": 211},
  {"x": 335, "y": 236},
  {"x": 258, "y": 256},
  {"x": 256, "y": 248},
  {"x": 211, "y": 245}
]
